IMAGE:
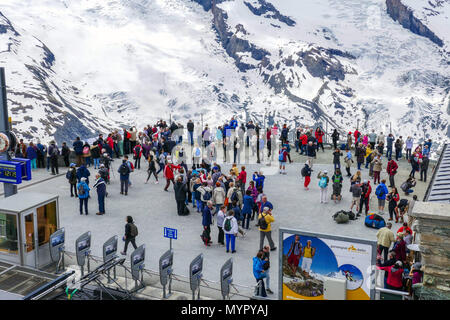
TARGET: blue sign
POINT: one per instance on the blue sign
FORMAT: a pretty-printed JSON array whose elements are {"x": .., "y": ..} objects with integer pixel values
[
  {"x": 170, "y": 233},
  {"x": 26, "y": 168},
  {"x": 10, "y": 172}
]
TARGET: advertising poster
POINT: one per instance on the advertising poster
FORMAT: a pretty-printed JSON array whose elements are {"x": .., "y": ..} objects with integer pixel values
[{"x": 307, "y": 259}]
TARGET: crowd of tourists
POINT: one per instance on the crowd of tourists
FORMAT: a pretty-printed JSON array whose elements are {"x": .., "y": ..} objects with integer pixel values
[{"x": 231, "y": 199}]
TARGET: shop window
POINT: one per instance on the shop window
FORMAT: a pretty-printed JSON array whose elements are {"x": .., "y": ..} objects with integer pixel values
[
  {"x": 46, "y": 222},
  {"x": 8, "y": 233}
]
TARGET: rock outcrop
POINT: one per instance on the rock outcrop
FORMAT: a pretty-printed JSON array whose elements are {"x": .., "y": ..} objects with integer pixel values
[{"x": 405, "y": 16}]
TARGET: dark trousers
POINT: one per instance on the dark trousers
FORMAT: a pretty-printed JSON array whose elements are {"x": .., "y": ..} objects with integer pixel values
[
  {"x": 364, "y": 202},
  {"x": 133, "y": 243},
  {"x": 101, "y": 203},
  {"x": 262, "y": 289},
  {"x": 54, "y": 164},
  {"x": 137, "y": 163},
  {"x": 246, "y": 222},
  {"x": 168, "y": 183},
  {"x": 40, "y": 162},
  {"x": 392, "y": 211},
  {"x": 423, "y": 175},
  {"x": 180, "y": 207},
  {"x": 150, "y": 172},
  {"x": 207, "y": 233},
  {"x": 85, "y": 201},
  {"x": 384, "y": 251},
  {"x": 376, "y": 176},
  {"x": 220, "y": 238},
  {"x": 66, "y": 160},
  {"x": 73, "y": 189},
  {"x": 391, "y": 181},
  {"x": 123, "y": 186}
]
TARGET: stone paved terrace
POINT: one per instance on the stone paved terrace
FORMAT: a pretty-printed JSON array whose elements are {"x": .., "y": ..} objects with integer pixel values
[{"x": 153, "y": 209}]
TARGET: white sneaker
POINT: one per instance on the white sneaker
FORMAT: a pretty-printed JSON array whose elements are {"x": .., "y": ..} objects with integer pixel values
[{"x": 156, "y": 182}]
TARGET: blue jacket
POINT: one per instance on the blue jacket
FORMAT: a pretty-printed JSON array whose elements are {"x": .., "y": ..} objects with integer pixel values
[
  {"x": 259, "y": 181},
  {"x": 248, "y": 205},
  {"x": 86, "y": 190},
  {"x": 31, "y": 153},
  {"x": 233, "y": 124},
  {"x": 83, "y": 172},
  {"x": 383, "y": 187},
  {"x": 389, "y": 142},
  {"x": 207, "y": 217},
  {"x": 258, "y": 268},
  {"x": 78, "y": 147}
]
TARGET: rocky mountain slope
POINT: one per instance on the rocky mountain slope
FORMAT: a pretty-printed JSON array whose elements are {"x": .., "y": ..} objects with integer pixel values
[{"x": 380, "y": 64}]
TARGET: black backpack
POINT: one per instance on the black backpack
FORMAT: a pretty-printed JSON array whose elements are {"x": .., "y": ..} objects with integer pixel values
[
  {"x": 227, "y": 225},
  {"x": 124, "y": 170},
  {"x": 262, "y": 222},
  {"x": 133, "y": 230},
  {"x": 207, "y": 196},
  {"x": 138, "y": 151},
  {"x": 303, "y": 172}
]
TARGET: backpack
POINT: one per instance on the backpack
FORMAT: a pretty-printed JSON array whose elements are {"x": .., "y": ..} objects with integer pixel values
[
  {"x": 281, "y": 156},
  {"x": 227, "y": 225},
  {"x": 69, "y": 175},
  {"x": 234, "y": 196},
  {"x": 262, "y": 222},
  {"x": 323, "y": 182},
  {"x": 124, "y": 170},
  {"x": 341, "y": 217},
  {"x": 374, "y": 221},
  {"x": 85, "y": 150},
  {"x": 133, "y": 230},
  {"x": 207, "y": 196},
  {"x": 81, "y": 190},
  {"x": 303, "y": 172},
  {"x": 379, "y": 191},
  {"x": 197, "y": 152},
  {"x": 337, "y": 178}
]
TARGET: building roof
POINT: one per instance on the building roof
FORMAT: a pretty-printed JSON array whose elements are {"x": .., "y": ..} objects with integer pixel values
[{"x": 24, "y": 200}]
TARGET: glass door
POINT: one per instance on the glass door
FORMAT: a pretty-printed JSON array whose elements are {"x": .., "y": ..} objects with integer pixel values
[
  {"x": 29, "y": 239},
  {"x": 46, "y": 224}
]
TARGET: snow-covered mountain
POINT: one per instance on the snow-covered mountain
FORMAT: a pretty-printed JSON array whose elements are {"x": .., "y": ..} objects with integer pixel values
[{"x": 105, "y": 63}]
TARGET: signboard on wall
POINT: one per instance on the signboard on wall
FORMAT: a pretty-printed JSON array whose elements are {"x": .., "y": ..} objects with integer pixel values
[{"x": 306, "y": 259}]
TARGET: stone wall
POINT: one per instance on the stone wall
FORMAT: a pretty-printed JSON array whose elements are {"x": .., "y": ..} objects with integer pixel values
[{"x": 434, "y": 229}]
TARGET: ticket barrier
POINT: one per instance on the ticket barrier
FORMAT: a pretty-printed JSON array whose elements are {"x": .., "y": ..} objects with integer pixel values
[
  {"x": 83, "y": 251},
  {"x": 166, "y": 272},
  {"x": 137, "y": 267},
  {"x": 195, "y": 275}
]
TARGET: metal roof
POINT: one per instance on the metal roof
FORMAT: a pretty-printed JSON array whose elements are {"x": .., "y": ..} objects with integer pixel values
[
  {"x": 23, "y": 201},
  {"x": 439, "y": 188}
]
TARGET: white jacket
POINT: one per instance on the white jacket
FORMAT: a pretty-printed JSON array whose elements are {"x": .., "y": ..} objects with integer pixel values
[{"x": 234, "y": 225}]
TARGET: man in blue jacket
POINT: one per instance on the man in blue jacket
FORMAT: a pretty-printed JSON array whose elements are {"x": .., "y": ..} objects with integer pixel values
[
  {"x": 259, "y": 273},
  {"x": 389, "y": 141},
  {"x": 83, "y": 195},
  {"x": 233, "y": 123},
  {"x": 381, "y": 192},
  {"x": 78, "y": 148},
  {"x": 100, "y": 185}
]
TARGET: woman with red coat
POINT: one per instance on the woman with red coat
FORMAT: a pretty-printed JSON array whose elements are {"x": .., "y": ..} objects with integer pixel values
[
  {"x": 168, "y": 173},
  {"x": 319, "y": 136},
  {"x": 395, "y": 276}
]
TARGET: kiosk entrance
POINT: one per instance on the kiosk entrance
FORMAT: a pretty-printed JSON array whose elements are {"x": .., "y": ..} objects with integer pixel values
[{"x": 27, "y": 221}]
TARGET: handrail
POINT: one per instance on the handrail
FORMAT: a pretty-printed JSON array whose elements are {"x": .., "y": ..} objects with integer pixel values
[
  {"x": 48, "y": 287},
  {"x": 435, "y": 169}
]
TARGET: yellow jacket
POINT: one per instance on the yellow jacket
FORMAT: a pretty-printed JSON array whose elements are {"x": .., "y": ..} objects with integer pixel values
[
  {"x": 385, "y": 237},
  {"x": 235, "y": 170},
  {"x": 269, "y": 219}
]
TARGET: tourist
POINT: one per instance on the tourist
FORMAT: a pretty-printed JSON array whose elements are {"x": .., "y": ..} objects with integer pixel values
[
  {"x": 131, "y": 233},
  {"x": 83, "y": 195},
  {"x": 100, "y": 185}
]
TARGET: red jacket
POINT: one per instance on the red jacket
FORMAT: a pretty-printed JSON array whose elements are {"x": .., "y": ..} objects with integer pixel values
[
  {"x": 304, "y": 139},
  {"x": 140, "y": 152},
  {"x": 356, "y": 134},
  {"x": 394, "y": 278},
  {"x": 268, "y": 134},
  {"x": 392, "y": 167},
  {"x": 110, "y": 142},
  {"x": 243, "y": 176},
  {"x": 319, "y": 136},
  {"x": 369, "y": 190},
  {"x": 168, "y": 170}
]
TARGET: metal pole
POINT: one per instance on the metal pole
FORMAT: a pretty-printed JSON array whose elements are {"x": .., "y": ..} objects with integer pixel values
[
  {"x": 10, "y": 189},
  {"x": 170, "y": 243}
]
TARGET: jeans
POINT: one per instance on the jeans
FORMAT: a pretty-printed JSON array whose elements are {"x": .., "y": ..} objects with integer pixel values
[
  {"x": 230, "y": 238},
  {"x": 85, "y": 201},
  {"x": 389, "y": 152},
  {"x": 191, "y": 137},
  {"x": 384, "y": 251},
  {"x": 199, "y": 206},
  {"x": 101, "y": 203},
  {"x": 123, "y": 186},
  {"x": 33, "y": 163},
  {"x": 359, "y": 165},
  {"x": 262, "y": 290},
  {"x": 246, "y": 222},
  {"x": 96, "y": 163},
  {"x": 337, "y": 165},
  {"x": 267, "y": 279}
]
